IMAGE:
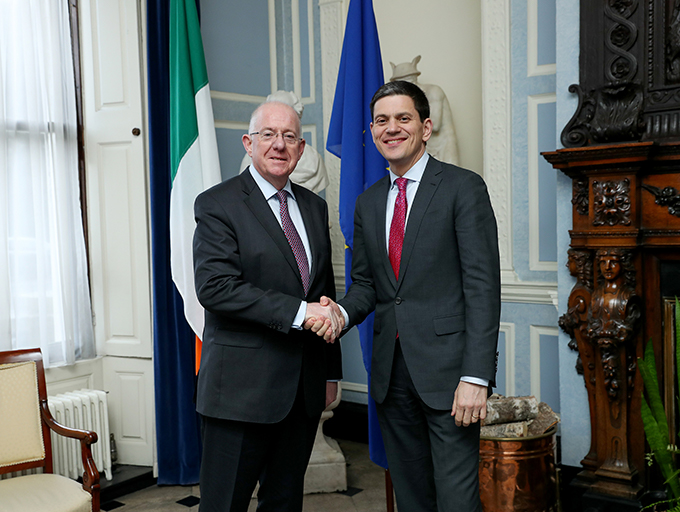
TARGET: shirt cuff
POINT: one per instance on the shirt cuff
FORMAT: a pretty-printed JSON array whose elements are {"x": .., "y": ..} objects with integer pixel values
[
  {"x": 344, "y": 313},
  {"x": 475, "y": 380},
  {"x": 299, "y": 319}
]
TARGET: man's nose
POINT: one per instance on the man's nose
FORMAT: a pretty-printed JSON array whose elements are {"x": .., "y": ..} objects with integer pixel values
[
  {"x": 279, "y": 143},
  {"x": 392, "y": 126}
]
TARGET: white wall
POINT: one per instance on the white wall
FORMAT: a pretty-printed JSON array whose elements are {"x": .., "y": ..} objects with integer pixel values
[{"x": 447, "y": 33}]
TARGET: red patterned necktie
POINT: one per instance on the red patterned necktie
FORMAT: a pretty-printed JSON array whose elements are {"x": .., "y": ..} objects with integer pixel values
[
  {"x": 294, "y": 239},
  {"x": 397, "y": 226}
]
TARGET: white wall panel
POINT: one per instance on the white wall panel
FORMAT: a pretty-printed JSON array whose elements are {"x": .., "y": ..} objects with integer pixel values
[
  {"x": 535, "y": 332},
  {"x": 509, "y": 330},
  {"x": 333, "y": 14},
  {"x": 82, "y": 375},
  {"x": 533, "y": 128},
  {"x": 131, "y": 408},
  {"x": 109, "y": 52},
  {"x": 533, "y": 68},
  {"x": 497, "y": 121}
]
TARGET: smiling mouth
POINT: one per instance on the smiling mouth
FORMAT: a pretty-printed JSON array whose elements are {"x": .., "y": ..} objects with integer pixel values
[{"x": 394, "y": 142}]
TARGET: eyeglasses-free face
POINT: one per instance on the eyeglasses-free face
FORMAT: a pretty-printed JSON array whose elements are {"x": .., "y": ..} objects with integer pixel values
[{"x": 398, "y": 132}]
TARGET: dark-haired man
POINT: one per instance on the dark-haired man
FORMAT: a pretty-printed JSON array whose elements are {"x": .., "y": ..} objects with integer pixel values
[{"x": 426, "y": 259}]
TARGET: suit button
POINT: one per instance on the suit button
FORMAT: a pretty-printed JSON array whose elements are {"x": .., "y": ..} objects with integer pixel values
[{"x": 397, "y": 301}]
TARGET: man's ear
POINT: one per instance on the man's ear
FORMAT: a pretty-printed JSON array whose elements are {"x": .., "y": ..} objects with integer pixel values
[
  {"x": 247, "y": 144},
  {"x": 427, "y": 129}
]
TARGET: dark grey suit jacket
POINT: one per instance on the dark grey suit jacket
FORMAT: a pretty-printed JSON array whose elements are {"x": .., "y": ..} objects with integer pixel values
[
  {"x": 249, "y": 284},
  {"x": 446, "y": 304}
]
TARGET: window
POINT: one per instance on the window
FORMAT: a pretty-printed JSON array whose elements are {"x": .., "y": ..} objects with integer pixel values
[{"x": 44, "y": 292}]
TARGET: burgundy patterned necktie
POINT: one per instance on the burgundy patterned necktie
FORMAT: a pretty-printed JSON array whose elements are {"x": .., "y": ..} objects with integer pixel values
[
  {"x": 397, "y": 226},
  {"x": 294, "y": 239}
]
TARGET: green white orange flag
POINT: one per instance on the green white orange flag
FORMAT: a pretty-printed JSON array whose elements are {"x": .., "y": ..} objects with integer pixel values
[{"x": 194, "y": 160}]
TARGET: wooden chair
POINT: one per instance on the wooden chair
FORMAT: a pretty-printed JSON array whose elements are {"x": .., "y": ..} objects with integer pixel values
[{"x": 25, "y": 423}]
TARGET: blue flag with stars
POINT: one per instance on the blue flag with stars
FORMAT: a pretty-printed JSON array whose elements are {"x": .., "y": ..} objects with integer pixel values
[{"x": 349, "y": 138}]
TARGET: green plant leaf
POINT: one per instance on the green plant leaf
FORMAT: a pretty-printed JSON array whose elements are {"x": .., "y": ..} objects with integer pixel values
[
  {"x": 677, "y": 348},
  {"x": 673, "y": 475},
  {"x": 659, "y": 445},
  {"x": 651, "y": 384}
]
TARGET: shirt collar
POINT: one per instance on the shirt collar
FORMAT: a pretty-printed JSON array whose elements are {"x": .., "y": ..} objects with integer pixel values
[
  {"x": 268, "y": 190},
  {"x": 415, "y": 173}
]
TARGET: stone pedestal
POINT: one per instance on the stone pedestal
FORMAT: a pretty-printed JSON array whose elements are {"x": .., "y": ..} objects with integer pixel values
[{"x": 327, "y": 470}]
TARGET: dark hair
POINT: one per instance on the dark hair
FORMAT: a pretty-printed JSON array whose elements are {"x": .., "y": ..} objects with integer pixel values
[{"x": 403, "y": 88}]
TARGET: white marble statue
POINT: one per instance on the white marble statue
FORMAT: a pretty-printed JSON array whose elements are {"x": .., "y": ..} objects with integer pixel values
[
  {"x": 310, "y": 171},
  {"x": 443, "y": 143}
]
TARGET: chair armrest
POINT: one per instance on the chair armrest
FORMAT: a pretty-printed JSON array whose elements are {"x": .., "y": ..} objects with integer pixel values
[{"x": 86, "y": 437}]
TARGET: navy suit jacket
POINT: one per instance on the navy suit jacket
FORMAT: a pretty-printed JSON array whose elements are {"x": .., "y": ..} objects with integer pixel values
[
  {"x": 446, "y": 304},
  {"x": 248, "y": 281}
]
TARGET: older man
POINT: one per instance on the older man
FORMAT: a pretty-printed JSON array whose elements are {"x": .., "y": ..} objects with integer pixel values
[{"x": 261, "y": 251}]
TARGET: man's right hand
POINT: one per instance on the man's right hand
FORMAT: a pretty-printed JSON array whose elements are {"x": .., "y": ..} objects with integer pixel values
[{"x": 325, "y": 319}]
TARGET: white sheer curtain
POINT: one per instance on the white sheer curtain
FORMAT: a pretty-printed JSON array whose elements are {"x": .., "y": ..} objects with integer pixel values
[{"x": 44, "y": 294}]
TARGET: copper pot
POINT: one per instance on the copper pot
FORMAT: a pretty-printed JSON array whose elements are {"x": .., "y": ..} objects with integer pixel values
[{"x": 518, "y": 474}]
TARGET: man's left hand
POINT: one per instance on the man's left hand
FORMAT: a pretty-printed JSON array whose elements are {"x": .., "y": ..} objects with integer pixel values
[{"x": 469, "y": 403}]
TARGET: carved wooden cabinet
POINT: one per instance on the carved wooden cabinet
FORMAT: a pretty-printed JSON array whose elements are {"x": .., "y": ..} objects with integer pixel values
[
  {"x": 625, "y": 255},
  {"x": 623, "y": 156}
]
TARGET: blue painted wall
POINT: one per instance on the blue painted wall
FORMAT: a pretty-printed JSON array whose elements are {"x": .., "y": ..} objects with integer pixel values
[
  {"x": 547, "y": 183},
  {"x": 547, "y": 42},
  {"x": 237, "y": 44},
  {"x": 523, "y": 87},
  {"x": 502, "y": 374},
  {"x": 575, "y": 425}
]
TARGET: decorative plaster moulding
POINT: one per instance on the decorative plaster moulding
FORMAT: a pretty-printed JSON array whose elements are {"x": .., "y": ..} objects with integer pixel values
[{"x": 496, "y": 114}]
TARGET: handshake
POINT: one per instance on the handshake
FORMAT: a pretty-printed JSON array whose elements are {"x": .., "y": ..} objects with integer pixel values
[{"x": 325, "y": 319}]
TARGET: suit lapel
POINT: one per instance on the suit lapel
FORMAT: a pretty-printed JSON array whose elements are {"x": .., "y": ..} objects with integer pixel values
[
  {"x": 428, "y": 185},
  {"x": 314, "y": 231},
  {"x": 263, "y": 213}
]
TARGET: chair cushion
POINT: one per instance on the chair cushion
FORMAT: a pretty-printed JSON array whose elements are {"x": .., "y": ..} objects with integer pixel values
[
  {"x": 43, "y": 493},
  {"x": 20, "y": 423}
]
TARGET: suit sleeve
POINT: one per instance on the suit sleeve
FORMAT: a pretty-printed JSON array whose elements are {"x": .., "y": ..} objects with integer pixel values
[
  {"x": 477, "y": 238},
  {"x": 360, "y": 299},
  {"x": 220, "y": 287}
]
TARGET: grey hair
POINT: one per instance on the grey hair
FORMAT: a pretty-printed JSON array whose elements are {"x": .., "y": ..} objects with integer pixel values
[{"x": 255, "y": 117}]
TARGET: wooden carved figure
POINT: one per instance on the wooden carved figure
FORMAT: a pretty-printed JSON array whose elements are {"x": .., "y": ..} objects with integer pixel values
[
  {"x": 575, "y": 323},
  {"x": 612, "y": 322}
]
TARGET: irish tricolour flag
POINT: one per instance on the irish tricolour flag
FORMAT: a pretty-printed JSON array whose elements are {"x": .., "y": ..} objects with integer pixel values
[{"x": 193, "y": 147}]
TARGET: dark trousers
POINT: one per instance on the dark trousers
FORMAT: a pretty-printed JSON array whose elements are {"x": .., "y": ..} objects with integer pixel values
[
  {"x": 236, "y": 455},
  {"x": 433, "y": 463}
]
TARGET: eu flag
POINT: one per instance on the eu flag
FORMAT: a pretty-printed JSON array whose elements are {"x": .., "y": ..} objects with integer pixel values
[{"x": 349, "y": 138}]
